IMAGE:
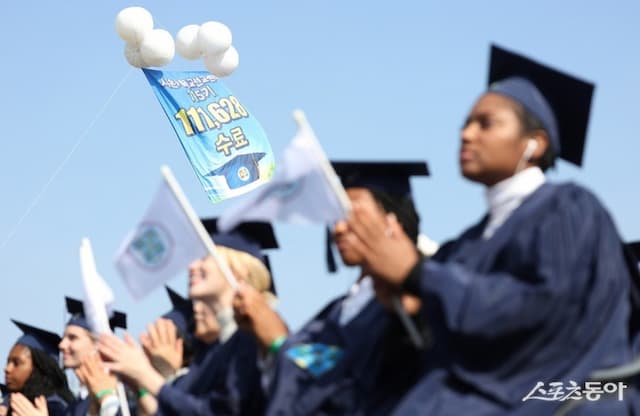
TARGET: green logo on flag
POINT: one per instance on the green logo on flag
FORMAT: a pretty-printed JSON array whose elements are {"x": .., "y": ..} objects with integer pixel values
[{"x": 152, "y": 245}]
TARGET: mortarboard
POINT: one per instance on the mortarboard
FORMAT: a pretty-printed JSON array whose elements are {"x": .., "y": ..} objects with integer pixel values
[
  {"x": 40, "y": 339},
  {"x": 240, "y": 171},
  {"x": 75, "y": 308},
  {"x": 388, "y": 177},
  {"x": 634, "y": 249},
  {"x": 181, "y": 312},
  {"x": 559, "y": 101},
  {"x": 251, "y": 237}
]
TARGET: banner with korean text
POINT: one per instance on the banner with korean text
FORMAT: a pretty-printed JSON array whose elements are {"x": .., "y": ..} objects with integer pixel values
[{"x": 225, "y": 144}]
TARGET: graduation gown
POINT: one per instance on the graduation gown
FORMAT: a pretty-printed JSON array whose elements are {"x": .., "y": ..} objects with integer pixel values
[
  {"x": 348, "y": 356},
  {"x": 544, "y": 299},
  {"x": 223, "y": 380}
]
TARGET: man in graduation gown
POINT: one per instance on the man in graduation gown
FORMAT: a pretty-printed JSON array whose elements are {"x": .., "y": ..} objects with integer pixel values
[
  {"x": 79, "y": 352},
  {"x": 535, "y": 293},
  {"x": 330, "y": 365}
]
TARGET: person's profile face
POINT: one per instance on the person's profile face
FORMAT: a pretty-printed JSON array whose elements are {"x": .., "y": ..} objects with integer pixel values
[
  {"x": 492, "y": 141},
  {"x": 205, "y": 279},
  {"x": 76, "y": 344},
  {"x": 206, "y": 326},
  {"x": 18, "y": 368}
]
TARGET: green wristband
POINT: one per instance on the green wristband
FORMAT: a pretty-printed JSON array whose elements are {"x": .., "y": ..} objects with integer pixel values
[
  {"x": 142, "y": 392},
  {"x": 277, "y": 343},
  {"x": 104, "y": 392}
]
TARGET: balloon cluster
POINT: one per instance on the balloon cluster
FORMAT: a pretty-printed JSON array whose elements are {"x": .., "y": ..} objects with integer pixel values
[{"x": 146, "y": 46}]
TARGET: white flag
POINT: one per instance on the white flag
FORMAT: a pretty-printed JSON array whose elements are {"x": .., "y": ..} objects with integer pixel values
[
  {"x": 162, "y": 245},
  {"x": 98, "y": 296},
  {"x": 303, "y": 190}
]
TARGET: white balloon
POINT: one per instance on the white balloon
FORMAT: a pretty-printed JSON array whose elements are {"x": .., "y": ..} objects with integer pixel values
[
  {"x": 133, "y": 23},
  {"x": 224, "y": 64},
  {"x": 157, "y": 48},
  {"x": 187, "y": 42},
  {"x": 132, "y": 53},
  {"x": 214, "y": 38}
]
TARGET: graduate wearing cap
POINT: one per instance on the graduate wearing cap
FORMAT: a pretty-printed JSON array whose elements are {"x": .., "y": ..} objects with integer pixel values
[
  {"x": 168, "y": 344},
  {"x": 330, "y": 365},
  {"x": 535, "y": 292},
  {"x": 223, "y": 377},
  {"x": 79, "y": 352},
  {"x": 32, "y": 371}
]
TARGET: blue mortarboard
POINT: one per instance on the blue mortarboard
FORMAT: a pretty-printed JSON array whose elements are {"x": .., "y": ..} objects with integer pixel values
[
  {"x": 388, "y": 177},
  {"x": 75, "y": 308},
  {"x": 251, "y": 237},
  {"x": 240, "y": 171},
  {"x": 39, "y": 339},
  {"x": 181, "y": 312},
  {"x": 559, "y": 101}
]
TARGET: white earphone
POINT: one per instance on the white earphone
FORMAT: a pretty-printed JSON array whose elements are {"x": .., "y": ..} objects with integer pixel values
[{"x": 532, "y": 145}]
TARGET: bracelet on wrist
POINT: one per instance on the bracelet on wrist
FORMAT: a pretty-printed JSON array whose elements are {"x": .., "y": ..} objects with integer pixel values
[
  {"x": 104, "y": 392},
  {"x": 274, "y": 347},
  {"x": 142, "y": 392}
]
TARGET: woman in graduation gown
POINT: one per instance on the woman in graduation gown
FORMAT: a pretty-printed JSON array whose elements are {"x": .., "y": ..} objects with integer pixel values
[
  {"x": 537, "y": 291},
  {"x": 32, "y": 375},
  {"x": 224, "y": 378},
  {"x": 330, "y": 365}
]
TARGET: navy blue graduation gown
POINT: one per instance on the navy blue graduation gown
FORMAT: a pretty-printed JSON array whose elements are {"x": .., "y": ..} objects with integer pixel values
[
  {"x": 224, "y": 380},
  {"x": 343, "y": 388},
  {"x": 544, "y": 299}
]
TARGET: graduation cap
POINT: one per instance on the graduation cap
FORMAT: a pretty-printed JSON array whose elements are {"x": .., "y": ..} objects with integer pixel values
[
  {"x": 240, "y": 171},
  {"x": 251, "y": 237},
  {"x": 181, "y": 312},
  {"x": 39, "y": 339},
  {"x": 387, "y": 177},
  {"x": 559, "y": 101},
  {"x": 75, "y": 308}
]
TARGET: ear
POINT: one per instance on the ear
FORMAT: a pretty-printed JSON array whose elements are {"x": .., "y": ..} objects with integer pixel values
[{"x": 542, "y": 144}]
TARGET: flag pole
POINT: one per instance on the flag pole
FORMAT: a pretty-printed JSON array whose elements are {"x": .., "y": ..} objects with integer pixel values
[
  {"x": 197, "y": 226},
  {"x": 331, "y": 177}
]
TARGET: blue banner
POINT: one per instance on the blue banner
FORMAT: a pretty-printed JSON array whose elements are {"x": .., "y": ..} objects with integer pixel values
[{"x": 226, "y": 145}]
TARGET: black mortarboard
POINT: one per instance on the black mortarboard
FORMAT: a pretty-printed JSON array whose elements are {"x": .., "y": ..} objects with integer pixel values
[
  {"x": 251, "y": 237},
  {"x": 40, "y": 339},
  {"x": 241, "y": 170},
  {"x": 388, "y": 177},
  {"x": 181, "y": 312},
  {"x": 560, "y": 101},
  {"x": 634, "y": 249},
  {"x": 75, "y": 308}
]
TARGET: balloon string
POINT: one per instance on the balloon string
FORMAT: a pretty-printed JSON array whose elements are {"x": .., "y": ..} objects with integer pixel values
[{"x": 62, "y": 164}]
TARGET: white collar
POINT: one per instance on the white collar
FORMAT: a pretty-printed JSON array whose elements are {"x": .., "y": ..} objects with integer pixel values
[{"x": 507, "y": 195}]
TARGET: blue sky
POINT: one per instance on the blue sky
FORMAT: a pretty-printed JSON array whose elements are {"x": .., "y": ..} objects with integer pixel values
[{"x": 377, "y": 80}]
